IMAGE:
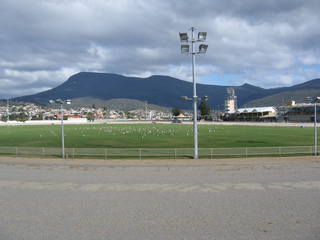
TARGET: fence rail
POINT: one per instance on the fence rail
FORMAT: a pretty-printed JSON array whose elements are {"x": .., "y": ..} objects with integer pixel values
[{"x": 157, "y": 152}]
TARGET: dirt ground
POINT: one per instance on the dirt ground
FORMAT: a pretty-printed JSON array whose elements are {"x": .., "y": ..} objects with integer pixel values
[{"x": 161, "y": 162}]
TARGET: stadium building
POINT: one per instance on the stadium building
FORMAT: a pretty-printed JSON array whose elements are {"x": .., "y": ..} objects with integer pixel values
[
  {"x": 258, "y": 114},
  {"x": 302, "y": 112}
]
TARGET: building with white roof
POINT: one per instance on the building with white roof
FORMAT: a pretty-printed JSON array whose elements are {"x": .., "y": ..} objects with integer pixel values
[{"x": 254, "y": 114}]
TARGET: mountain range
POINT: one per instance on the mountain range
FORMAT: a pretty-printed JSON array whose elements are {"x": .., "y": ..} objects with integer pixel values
[{"x": 166, "y": 91}]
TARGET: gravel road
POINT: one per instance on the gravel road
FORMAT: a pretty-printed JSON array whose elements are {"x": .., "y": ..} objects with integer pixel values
[{"x": 276, "y": 198}]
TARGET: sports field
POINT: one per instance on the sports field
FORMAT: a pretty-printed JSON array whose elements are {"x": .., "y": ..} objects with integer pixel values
[{"x": 154, "y": 136}]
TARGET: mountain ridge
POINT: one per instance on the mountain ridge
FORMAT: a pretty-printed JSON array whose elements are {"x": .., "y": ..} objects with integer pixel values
[{"x": 159, "y": 90}]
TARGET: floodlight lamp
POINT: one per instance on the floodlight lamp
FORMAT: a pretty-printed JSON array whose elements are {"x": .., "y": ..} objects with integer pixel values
[
  {"x": 202, "y": 36},
  {"x": 184, "y": 37},
  {"x": 68, "y": 101},
  {"x": 51, "y": 101},
  {"x": 59, "y": 101},
  {"x": 184, "y": 49},
  {"x": 184, "y": 98},
  {"x": 317, "y": 99},
  {"x": 203, "y": 48},
  {"x": 309, "y": 99},
  {"x": 205, "y": 98}
]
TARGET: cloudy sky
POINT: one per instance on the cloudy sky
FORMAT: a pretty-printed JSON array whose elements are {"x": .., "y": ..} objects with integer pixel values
[{"x": 270, "y": 43}]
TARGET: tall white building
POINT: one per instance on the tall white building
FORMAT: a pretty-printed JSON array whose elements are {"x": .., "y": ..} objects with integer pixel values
[{"x": 230, "y": 103}]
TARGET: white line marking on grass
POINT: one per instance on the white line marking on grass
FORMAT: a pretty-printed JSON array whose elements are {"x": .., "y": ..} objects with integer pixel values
[
  {"x": 7, "y": 133},
  {"x": 51, "y": 131}
]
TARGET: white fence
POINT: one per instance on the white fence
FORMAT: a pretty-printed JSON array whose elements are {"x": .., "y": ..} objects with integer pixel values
[{"x": 157, "y": 152}]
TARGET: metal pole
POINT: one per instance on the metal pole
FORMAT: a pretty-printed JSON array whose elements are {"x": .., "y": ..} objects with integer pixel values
[
  {"x": 195, "y": 99},
  {"x": 62, "y": 132},
  {"x": 315, "y": 128},
  {"x": 8, "y": 112},
  {"x": 146, "y": 109}
]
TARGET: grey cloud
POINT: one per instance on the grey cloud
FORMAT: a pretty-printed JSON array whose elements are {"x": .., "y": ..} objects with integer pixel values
[{"x": 265, "y": 43}]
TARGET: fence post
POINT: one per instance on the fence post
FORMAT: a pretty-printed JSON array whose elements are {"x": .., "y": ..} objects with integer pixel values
[
  {"x": 246, "y": 152},
  {"x": 16, "y": 151},
  {"x": 72, "y": 152},
  {"x": 140, "y": 153},
  {"x": 279, "y": 151},
  {"x": 211, "y": 153},
  {"x": 175, "y": 153},
  {"x": 42, "y": 152},
  {"x": 105, "y": 154}
]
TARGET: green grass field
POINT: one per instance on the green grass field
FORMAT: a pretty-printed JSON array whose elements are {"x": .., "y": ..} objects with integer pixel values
[{"x": 154, "y": 136}]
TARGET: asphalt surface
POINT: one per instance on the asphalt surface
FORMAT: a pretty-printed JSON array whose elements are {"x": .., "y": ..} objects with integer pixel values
[{"x": 265, "y": 198}]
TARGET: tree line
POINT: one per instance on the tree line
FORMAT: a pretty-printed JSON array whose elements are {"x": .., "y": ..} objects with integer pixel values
[{"x": 203, "y": 107}]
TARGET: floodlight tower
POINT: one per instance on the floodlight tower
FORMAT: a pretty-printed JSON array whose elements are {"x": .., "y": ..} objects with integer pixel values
[
  {"x": 202, "y": 50},
  {"x": 8, "y": 111},
  {"x": 310, "y": 99},
  {"x": 59, "y": 101}
]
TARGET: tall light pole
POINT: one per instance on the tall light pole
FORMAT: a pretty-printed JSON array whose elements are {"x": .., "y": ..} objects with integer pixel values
[
  {"x": 310, "y": 99},
  {"x": 59, "y": 101},
  {"x": 202, "y": 50},
  {"x": 8, "y": 112},
  {"x": 146, "y": 103}
]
